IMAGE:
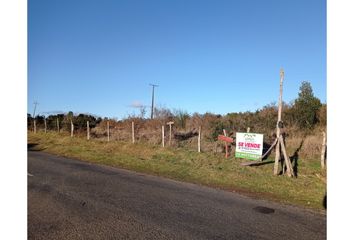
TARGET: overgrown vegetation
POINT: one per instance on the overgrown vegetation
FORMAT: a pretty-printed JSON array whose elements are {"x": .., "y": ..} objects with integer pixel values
[
  {"x": 307, "y": 190},
  {"x": 304, "y": 119}
]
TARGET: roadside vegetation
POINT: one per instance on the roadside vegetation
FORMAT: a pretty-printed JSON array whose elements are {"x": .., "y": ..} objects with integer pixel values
[
  {"x": 209, "y": 169},
  {"x": 304, "y": 120}
]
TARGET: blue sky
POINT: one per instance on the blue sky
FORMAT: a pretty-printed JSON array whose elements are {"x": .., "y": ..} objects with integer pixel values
[{"x": 206, "y": 55}]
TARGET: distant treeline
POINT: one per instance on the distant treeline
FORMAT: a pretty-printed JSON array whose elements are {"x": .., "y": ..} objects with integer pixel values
[
  {"x": 301, "y": 116},
  {"x": 79, "y": 121}
]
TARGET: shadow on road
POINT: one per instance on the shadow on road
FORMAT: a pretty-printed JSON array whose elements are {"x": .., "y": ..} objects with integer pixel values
[{"x": 33, "y": 147}]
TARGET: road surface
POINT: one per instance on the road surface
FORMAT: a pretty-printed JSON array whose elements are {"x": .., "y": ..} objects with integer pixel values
[{"x": 71, "y": 199}]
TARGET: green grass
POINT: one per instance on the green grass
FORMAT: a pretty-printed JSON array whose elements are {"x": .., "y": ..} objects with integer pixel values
[{"x": 307, "y": 190}]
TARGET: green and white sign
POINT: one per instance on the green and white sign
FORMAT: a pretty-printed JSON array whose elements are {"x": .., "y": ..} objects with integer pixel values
[{"x": 249, "y": 145}]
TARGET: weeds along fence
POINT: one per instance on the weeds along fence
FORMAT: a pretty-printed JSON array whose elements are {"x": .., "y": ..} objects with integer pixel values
[{"x": 183, "y": 135}]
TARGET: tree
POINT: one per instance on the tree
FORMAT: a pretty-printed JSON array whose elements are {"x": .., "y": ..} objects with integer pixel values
[
  {"x": 306, "y": 107},
  {"x": 142, "y": 110}
]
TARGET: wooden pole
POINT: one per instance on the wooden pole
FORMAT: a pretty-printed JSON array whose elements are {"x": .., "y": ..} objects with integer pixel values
[
  {"x": 45, "y": 125},
  {"x": 170, "y": 138},
  {"x": 199, "y": 137},
  {"x": 280, "y": 104},
  {"x": 108, "y": 131},
  {"x": 289, "y": 167},
  {"x": 133, "y": 139},
  {"x": 88, "y": 130},
  {"x": 163, "y": 135},
  {"x": 34, "y": 126},
  {"x": 226, "y": 150},
  {"x": 58, "y": 125},
  {"x": 323, "y": 151},
  {"x": 72, "y": 128},
  {"x": 248, "y": 129}
]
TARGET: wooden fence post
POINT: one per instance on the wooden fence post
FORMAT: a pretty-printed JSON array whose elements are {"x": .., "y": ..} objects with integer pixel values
[
  {"x": 163, "y": 136},
  {"x": 88, "y": 130},
  {"x": 199, "y": 137},
  {"x": 45, "y": 125},
  {"x": 72, "y": 128},
  {"x": 226, "y": 150},
  {"x": 133, "y": 138},
  {"x": 34, "y": 126},
  {"x": 58, "y": 125},
  {"x": 108, "y": 131},
  {"x": 248, "y": 129},
  {"x": 323, "y": 151}
]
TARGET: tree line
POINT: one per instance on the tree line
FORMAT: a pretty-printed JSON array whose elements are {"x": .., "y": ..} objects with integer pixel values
[
  {"x": 302, "y": 115},
  {"x": 79, "y": 121}
]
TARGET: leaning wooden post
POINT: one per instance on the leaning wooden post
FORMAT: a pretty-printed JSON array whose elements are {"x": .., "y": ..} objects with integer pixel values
[
  {"x": 108, "y": 131},
  {"x": 133, "y": 139},
  {"x": 45, "y": 125},
  {"x": 323, "y": 151},
  {"x": 199, "y": 136},
  {"x": 58, "y": 125},
  {"x": 163, "y": 135},
  {"x": 88, "y": 130},
  {"x": 72, "y": 128},
  {"x": 34, "y": 126},
  {"x": 289, "y": 168},
  {"x": 280, "y": 104}
]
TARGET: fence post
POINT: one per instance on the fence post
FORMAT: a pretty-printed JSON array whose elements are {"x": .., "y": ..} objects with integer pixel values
[
  {"x": 248, "y": 129},
  {"x": 58, "y": 125},
  {"x": 323, "y": 151},
  {"x": 108, "y": 131},
  {"x": 226, "y": 147},
  {"x": 88, "y": 130},
  {"x": 34, "y": 126},
  {"x": 199, "y": 136},
  {"x": 45, "y": 125},
  {"x": 163, "y": 135},
  {"x": 133, "y": 139},
  {"x": 72, "y": 128}
]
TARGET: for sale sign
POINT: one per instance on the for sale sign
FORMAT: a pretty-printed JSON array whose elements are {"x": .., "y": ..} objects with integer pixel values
[{"x": 249, "y": 145}]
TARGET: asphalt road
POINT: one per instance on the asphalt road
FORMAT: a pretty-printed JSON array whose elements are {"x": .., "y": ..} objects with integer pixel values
[{"x": 70, "y": 199}]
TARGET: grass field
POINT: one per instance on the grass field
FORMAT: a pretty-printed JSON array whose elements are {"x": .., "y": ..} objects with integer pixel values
[{"x": 307, "y": 190}]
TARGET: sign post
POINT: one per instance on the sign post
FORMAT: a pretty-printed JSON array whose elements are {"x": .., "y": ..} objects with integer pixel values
[
  {"x": 226, "y": 140},
  {"x": 169, "y": 140}
]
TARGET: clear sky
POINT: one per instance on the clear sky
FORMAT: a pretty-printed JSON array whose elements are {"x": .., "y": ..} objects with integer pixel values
[{"x": 219, "y": 56}]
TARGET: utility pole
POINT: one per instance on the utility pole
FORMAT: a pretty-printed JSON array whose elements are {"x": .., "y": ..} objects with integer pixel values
[
  {"x": 34, "y": 119},
  {"x": 35, "y": 106},
  {"x": 152, "y": 103}
]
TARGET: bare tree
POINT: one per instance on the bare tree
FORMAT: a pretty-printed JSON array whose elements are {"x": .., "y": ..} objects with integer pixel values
[{"x": 142, "y": 110}]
